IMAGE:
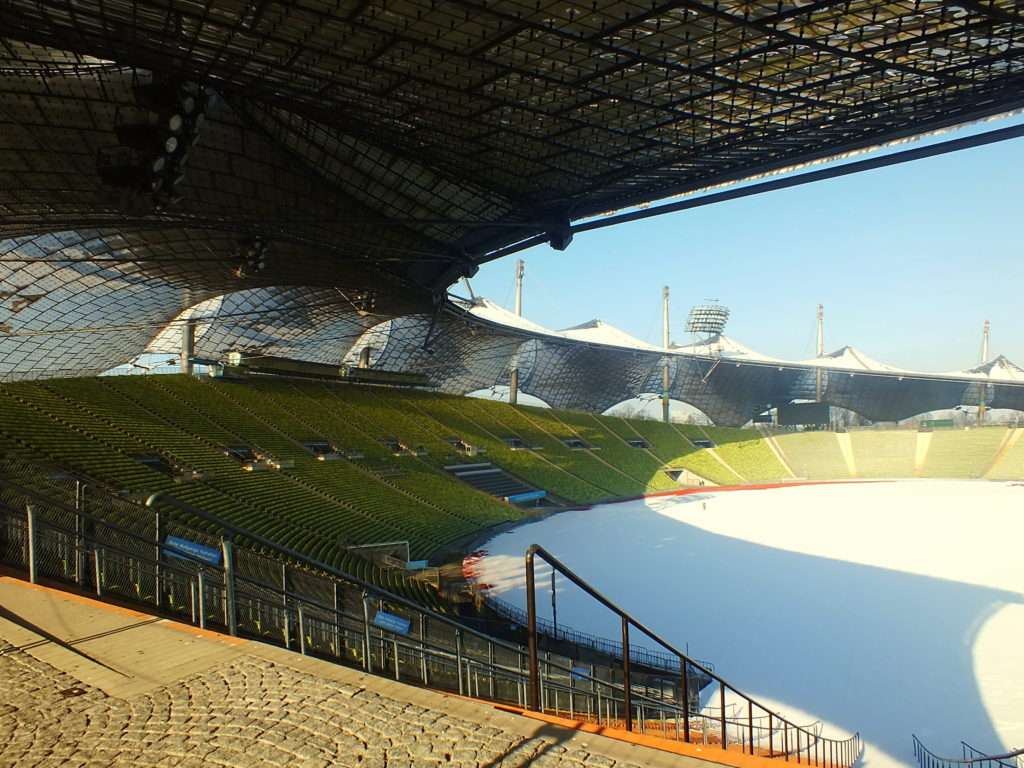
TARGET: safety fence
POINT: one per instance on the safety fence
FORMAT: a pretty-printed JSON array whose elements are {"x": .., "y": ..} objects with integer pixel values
[
  {"x": 969, "y": 756},
  {"x": 753, "y": 727},
  {"x": 182, "y": 562},
  {"x": 638, "y": 654}
]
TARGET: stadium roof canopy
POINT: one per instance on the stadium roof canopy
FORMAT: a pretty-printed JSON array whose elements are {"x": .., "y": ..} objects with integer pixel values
[
  {"x": 439, "y": 131},
  {"x": 370, "y": 152}
]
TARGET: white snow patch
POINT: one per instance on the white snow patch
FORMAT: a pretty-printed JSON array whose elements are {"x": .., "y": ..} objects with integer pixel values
[{"x": 888, "y": 608}]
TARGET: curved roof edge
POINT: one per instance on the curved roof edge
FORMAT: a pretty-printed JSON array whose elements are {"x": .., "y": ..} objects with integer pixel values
[{"x": 846, "y": 358}]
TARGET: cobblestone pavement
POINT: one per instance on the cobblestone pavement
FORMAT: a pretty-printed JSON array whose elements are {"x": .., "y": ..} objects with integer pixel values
[{"x": 251, "y": 713}]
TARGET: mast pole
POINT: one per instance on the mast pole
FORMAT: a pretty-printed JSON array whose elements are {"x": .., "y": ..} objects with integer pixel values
[
  {"x": 820, "y": 351},
  {"x": 513, "y": 388},
  {"x": 665, "y": 343},
  {"x": 985, "y": 335}
]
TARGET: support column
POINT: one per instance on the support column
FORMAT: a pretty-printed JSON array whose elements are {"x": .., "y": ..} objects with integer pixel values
[{"x": 188, "y": 346}]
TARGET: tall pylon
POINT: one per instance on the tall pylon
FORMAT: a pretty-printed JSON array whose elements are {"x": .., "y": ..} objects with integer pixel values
[
  {"x": 513, "y": 385},
  {"x": 819, "y": 350},
  {"x": 985, "y": 339},
  {"x": 665, "y": 341}
]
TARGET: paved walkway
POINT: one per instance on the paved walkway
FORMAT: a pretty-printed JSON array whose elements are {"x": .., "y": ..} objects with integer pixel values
[{"x": 83, "y": 683}]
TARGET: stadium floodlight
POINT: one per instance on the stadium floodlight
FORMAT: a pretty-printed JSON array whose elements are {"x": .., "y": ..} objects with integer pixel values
[{"x": 707, "y": 318}]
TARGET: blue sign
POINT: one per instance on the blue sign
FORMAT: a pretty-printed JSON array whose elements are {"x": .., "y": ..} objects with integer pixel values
[
  {"x": 183, "y": 549},
  {"x": 515, "y": 498},
  {"x": 392, "y": 623},
  {"x": 416, "y": 565}
]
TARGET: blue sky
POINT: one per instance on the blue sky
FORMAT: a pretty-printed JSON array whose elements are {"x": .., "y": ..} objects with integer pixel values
[{"x": 909, "y": 261}]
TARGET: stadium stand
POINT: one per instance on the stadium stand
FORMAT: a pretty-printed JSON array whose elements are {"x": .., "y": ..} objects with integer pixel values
[
  {"x": 886, "y": 453},
  {"x": 1009, "y": 465},
  {"x": 813, "y": 455},
  {"x": 670, "y": 443},
  {"x": 347, "y": 465},
  {"x": 746, "y": 453},
  {"x": 545, "y": 469},
  {"x": 615, "y": 450},
  {"x": 962, "y": 453}
]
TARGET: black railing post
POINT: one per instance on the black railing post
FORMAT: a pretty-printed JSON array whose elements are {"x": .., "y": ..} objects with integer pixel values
[
  {"x": 627, "y": 693},
  {"x": 771, "y": 736},
  {"x": 423, "y": 649},
  {"x": 158, "y": 535},
  {"x": 458, "y": 660},
  {"x": 686, "y": 701},
  {"x": 721, "y": 715},
  {"x": 201, "y": 589},
  {"x": 533, "y": 692},
  {"x": 367, "y": 651},
  {"x": 337, "y": 619},
  {"x": 30, "y": 537},
  {"x": 80, "y": 564},
  {"x": 230, "y": 609},
  {"x": 750, "y": 723},
  {"x": 285, "y": 616}
]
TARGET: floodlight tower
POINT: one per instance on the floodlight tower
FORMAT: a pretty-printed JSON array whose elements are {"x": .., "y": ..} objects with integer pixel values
[
  {"x": 664, "y": 343},
  {"x": 820, "y": 351},
  {"x": 985, "y": 338},
  {"x": 513, "y": 386}
]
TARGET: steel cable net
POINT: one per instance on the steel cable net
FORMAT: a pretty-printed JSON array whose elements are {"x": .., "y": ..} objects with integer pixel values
[{"x": 522, "y": 112}]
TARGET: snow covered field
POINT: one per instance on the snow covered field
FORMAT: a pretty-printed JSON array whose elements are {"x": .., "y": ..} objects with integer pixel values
[{"x": 888, "y": 608}]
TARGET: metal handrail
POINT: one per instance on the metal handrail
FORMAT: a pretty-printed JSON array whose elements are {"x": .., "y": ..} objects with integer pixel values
[
  {"x": 299, "y": 601},
  {"x": 928, "y": 759},
  {"x": 620, "y": 699},
  {"x": 561, "y": 632},
  {"x": 367, "y": 587},
  {"x": 848, "y": 749}
]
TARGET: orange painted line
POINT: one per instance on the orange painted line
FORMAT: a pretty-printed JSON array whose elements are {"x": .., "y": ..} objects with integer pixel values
[
  {"x": 208, "y": 634},
  {"x": 119, "y": 610},
  {"x": 709, "y": 753}
]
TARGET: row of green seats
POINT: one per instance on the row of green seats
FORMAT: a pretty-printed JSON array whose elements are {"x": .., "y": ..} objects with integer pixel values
[
  {"x": 962, "y": 453},
  {"x": 639, "y": 463},
  {"x": 453, "y": 415},
  {"x": 747, "y": 453},
  {"x": 813, "y": 455},
  {"x": 884, "y": 454},
  {"x": 1010, "y": 465},
  {"x": 675, "y": 449},
  {"x": 457, "y": 508}
]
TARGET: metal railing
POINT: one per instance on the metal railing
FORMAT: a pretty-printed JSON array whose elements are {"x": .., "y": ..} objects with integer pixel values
[
  {"x": 59, "y": 529},
  {"x": 757, "y": 731},
  {"x": 639, "y": 654},
  {"x": 62, "y": 530},
  {"x": 969, "y": 757}
]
